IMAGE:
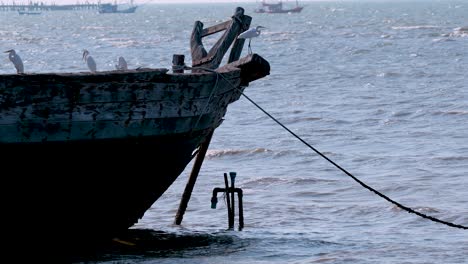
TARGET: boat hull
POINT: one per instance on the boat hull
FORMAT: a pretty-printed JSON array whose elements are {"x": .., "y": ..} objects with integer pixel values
[
  {"x": 81, "y": 193},
  {"x": 90, "y": 153}
]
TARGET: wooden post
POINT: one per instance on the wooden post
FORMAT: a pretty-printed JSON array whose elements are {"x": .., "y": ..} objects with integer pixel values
[
  {"x": 241, "y": 210},
  {"x": 192, "y": 179},
  {"x": 233, "y": 202},
  {"x": 236, "y": 49},
  {"x": 228, "y": 203},
  {"x": 178, "y": 63},
  {"x": 196, "y": 45}
]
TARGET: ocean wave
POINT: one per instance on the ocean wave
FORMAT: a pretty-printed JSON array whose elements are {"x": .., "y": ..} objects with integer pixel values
[
  {"x": 414, "y": 27},
  {"x": 389, "y": 74},
  {"x": 442, "y": 39},
  {"x": 264, "y": 181},
  {"x": 303, "y": 119},
  {"x": 250, "y": 152},
  {"x": 310, "y": 180},
  {"x": 95, "y": 28},
  {"x": 452, "y": 158},
  {"x": 456, "y": 33},
  {"x": 460, "y": 32},
  {"x": 452, "y": 112},
  {"x": 281, "y": 36},
  {"x": 420, "y": 209},
  {"x": 121, "y": 42},
  {"x": 311, "y": 194},
  {"x": 401, "y": 113},
  {"x": 30, "y": 40},
  {"x": 336, "y": 9},
  {"x": 361, "y": 51},
  {"x": 281, "y": 33},
  {"x": 235, "y": 152}
]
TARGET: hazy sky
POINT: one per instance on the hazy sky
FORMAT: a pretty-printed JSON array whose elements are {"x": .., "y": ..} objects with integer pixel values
[{"x": 59, "y": 2}]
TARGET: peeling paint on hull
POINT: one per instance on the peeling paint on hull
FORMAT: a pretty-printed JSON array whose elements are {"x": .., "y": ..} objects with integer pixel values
[{"x": 66, "y": 107}]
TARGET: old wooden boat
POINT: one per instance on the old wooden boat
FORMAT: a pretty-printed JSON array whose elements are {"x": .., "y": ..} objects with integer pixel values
[
  {"x": 273, "y": 8},
  {"x": 87, "y": 154}
]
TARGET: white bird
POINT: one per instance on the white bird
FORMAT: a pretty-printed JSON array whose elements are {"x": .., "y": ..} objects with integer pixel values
[
  {"x": 15, "y": 58},
  {"x": 89, "y": 61},
  {"x": 122, "y": 66},
  {"x": 249, "y": 34}
]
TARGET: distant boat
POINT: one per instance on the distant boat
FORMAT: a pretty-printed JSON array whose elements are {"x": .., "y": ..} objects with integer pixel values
[
  {"x": 114, "y": 8},
  {"x": 277, "y": 8},
  {"x": 28, "y": 12}
]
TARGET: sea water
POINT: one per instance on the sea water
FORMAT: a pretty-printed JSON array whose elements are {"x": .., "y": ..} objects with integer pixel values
[{"x": 380, "y": 88}]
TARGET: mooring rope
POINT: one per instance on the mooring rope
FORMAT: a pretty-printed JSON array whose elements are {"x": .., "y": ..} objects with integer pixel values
[
  {"x": 408, "y": 209},
  {"x": 354, "y": 177}
]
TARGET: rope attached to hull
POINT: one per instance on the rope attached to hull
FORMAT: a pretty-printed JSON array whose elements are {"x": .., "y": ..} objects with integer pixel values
[{"x": 408, "y": 209}]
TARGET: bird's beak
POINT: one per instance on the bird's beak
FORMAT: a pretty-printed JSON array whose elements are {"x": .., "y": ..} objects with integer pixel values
[
  {"x": 261, "y": 27},
  {"x": 8, "y": 51}
]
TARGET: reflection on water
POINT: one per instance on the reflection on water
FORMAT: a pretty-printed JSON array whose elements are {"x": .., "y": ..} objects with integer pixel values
[{"x": 150, "y": 244}]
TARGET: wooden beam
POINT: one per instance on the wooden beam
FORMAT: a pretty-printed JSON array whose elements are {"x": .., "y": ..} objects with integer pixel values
[
  {"x": 221, "y": 47},
  {"x": 236, "y": 49},
  {"x": 196, "y": 45},
  {"x": 252, "y": 67},
  {"x": 215, "y": 56},
  {"x": 192, "y": 179},
  {"x": 216, "y": 28}
]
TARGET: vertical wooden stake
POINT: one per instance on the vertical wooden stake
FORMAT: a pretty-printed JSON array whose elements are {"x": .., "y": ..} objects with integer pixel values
[
  {"x": 233, "y": 202},
  {"x": 192, "y": 179},
  {"x": 228, "y": 203},
  {"x": 178, "y": 63},
  {"x": 241, "y": 210}
]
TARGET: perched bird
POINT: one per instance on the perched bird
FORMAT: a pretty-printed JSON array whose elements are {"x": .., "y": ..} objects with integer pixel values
[
  {"x": 89, "y": 61},
  {"x": 15, "y": 58},
  {"x": 122, "y": 66},
  {"x": 249, "y": 34}
]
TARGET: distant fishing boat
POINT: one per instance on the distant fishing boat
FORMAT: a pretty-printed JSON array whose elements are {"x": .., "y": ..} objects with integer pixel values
[
  {"x": 114, "y": 8},
  {"x": 277, "y": 8}
]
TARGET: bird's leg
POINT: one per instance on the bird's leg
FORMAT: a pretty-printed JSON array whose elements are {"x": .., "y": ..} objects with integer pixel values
[{"x": 250, "y": 49}]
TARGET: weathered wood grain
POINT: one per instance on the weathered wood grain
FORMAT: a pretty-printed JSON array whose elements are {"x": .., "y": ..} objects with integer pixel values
[
  {"x": 76, "y": 109},
  {"x": 213, "y": 58},
  {"x": 238, "y": 45},
  {"x": 197, "y": 49},
  {"x": 216, "y": 28},
  {"x": 253, "y": 67}
]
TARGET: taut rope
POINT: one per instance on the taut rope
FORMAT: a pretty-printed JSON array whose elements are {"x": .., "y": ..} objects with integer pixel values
[{"x": 408, "y": 209}]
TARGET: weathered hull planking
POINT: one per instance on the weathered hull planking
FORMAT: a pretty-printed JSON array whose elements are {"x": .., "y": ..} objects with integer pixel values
[
  {"x": 136, "y": 132},
  {"x": 53, "y": 107}
]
